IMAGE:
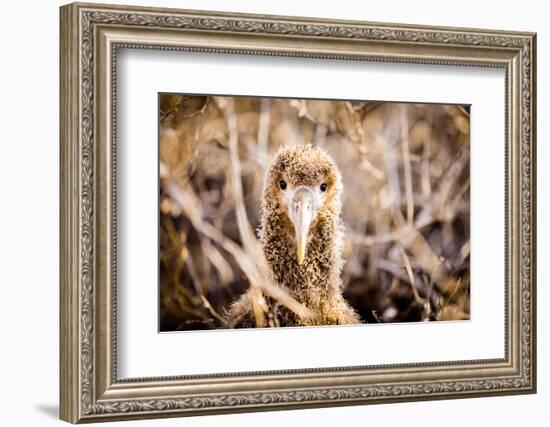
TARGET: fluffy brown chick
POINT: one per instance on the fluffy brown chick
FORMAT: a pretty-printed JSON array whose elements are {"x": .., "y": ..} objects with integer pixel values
[{"x": 301, "y": 235}]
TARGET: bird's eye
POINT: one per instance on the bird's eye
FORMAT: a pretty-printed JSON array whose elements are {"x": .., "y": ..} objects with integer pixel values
[
  {"x": 282, "y": 184},
  {"x": 324, "y": 186}
]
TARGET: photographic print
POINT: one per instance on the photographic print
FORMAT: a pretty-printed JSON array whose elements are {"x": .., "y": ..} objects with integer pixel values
[{"x": 306, "y": 212}]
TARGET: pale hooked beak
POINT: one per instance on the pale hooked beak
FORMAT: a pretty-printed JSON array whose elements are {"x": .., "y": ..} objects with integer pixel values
[{"x": 302, "y": 212}]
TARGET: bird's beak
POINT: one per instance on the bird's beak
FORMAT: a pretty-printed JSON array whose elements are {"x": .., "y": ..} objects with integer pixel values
[{"x": 302, "y": 212}]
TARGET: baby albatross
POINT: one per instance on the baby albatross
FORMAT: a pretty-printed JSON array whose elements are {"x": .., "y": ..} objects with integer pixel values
[{"x": 301, "y": 236}]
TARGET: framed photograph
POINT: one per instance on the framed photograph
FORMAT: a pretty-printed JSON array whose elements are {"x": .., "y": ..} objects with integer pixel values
[{"x": 266, "y": 212}]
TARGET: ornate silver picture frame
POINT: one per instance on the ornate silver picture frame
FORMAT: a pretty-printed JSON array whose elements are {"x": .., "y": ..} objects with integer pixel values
[{"x": 91, "y": 37}]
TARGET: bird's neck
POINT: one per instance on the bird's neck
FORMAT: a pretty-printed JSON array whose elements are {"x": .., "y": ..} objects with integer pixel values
[{"x": 319, "y": 274}]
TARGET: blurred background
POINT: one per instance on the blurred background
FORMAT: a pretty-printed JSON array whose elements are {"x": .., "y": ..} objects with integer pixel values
[{"x": 406, "y": 205}]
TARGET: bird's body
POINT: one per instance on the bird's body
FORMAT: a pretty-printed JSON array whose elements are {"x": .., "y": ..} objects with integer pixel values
[{"x": 301, "y": 236}]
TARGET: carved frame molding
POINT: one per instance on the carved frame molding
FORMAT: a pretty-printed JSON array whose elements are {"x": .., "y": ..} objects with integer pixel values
[{"x": 90, "y": 37}]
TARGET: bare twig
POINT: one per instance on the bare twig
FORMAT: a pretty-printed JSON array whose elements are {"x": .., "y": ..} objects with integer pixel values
[
  {"x": 389, "y": 236},
  {"x": 446, "y": 183},
  {"x": 391, "y": 163},
  {"x": 426, "y": 182},
  {"x": 213, "y": 312},
  {"x": 245, "y": 230},
  {"x": 218, "y": 261},
  {"x": 452, "y": 206},
  {"x": 412, "y": 279},
  {"x": 197, "y": 283},
  {"x": 407, "y": 164},
  {"x": 391, "y": 267},
  {"x": 263, "y": 130}
]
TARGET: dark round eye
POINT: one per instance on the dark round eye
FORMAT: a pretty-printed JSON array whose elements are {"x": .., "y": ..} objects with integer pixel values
[
  {"x": 324, "y": 186},
  {"x": 282, "y": 184}
]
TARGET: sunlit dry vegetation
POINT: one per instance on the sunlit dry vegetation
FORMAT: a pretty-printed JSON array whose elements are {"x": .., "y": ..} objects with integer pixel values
[{"x": 406, "y": 205}]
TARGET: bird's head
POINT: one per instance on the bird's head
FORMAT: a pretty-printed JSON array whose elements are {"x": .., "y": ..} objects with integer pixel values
[{"x": 303, "y": 187}]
